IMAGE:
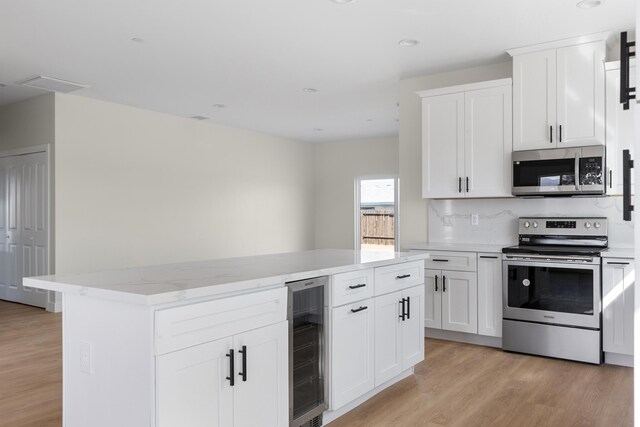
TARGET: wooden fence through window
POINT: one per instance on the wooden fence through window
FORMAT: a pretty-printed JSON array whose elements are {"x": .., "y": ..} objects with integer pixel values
[{"x": 377, "y": 228}]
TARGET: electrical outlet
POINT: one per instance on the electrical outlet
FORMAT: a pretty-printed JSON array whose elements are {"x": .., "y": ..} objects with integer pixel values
[
  {"x": 86, "y": 357},
  {"x": 475, "y": 219}
]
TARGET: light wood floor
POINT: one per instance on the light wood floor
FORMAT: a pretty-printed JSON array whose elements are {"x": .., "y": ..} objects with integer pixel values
[
  {"x": 466, "y": 385},
  {"x": 457, "y": 385}
]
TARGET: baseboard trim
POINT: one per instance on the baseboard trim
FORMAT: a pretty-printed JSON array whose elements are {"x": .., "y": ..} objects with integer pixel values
[
  {"x": 618, "y": 359},
  {"x": 463, "y": 337},
  {"x": 329, "y": 416}
]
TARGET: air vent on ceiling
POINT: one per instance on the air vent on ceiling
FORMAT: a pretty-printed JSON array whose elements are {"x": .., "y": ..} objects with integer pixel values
[
  {"x": 200, "y": 117},
  {"x": 53, "y": 85}
]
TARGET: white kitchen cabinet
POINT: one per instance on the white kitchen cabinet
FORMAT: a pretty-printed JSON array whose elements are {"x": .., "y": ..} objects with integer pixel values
[
  {"x": 489, "y": 294},
  {"x": 618, "y": 282},
  {"x": 399, "y": 332},
  {"x": 558, "y": 96},
  {"x": 194, "y": 384},
  {"x": 352, "y": 351},
  {"x": 466, "y": 141},
  {"x": 458, "y": 295},
  {"x": 620, "y": 128}
]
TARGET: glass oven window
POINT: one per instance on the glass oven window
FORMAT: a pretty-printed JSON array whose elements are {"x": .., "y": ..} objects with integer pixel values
[
  {"x": 557, "y": 289},
  {"x": 544, "y": 173}
]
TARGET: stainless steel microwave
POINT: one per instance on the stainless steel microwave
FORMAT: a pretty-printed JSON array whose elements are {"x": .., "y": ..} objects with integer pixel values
[{"x": 559, "y": 172}]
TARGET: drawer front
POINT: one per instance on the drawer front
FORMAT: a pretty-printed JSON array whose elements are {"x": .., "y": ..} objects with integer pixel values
[
  {"x": 351, "y": 286},
  {"x": 193, "y": 324},
  {"x": 446, "y": 260},
  {"x": 398, "y": 276}
]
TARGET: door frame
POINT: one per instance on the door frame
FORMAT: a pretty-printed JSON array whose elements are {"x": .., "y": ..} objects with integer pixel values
[
  {"x": 54, "y": 301},
  {"x": 396, "y": 208}
]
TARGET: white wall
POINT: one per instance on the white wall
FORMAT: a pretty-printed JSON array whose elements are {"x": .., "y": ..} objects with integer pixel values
[
  {"x": 27, "y": 123},
  {"x": 413, "y": 208},
  {"x": 136, "y": 187},
  {"x": 338, "y": 164}
]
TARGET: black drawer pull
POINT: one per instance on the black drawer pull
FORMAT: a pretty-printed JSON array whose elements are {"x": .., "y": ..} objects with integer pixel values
[
  {"x": 617, "y": 263},
  {"x": 488, "y": 257},
  {"x": 439, "y": 260},
  {"x": 360, "y": 285},
  {"x": 444, "y": 284},
  {"x": 436, "y": 288},
  {"x": 459, "y": 184},
  {"x": 404, "y": 276},
  {"x": 355, "y": 310},
  {"x": 408, "y": 307},
  {"x": 402, "y": 316},
  {"x": 231, "y": 376},
  {"x": 243, "y": 374}
]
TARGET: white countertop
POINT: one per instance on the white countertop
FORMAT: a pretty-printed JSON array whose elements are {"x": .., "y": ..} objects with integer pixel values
[
  {"x": 458, "y": 247},
  {"x": 176, "y": 282},
  {"x": 618, "y": 253}
]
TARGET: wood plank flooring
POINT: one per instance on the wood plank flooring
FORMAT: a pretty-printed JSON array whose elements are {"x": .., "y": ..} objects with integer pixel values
[
  {"x": 457, "y": 385},
  {"x": 466, "y": 385}
]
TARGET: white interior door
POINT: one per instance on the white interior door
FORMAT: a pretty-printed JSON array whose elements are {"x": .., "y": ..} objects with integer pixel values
[{"x": 25, "y": 226}]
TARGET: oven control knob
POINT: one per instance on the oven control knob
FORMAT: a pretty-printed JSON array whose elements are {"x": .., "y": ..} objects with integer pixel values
[
  {"x": 535, "y": 224},
  {"x": 587, "y": 224},
  {"x": 526, "y": 224},
  {"x": 596, "y": 224}
]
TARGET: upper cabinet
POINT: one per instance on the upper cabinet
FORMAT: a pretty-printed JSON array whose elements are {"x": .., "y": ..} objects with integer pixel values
[
  {"x": 558, "y": 95},
  {"x": 466, "y": 141}
]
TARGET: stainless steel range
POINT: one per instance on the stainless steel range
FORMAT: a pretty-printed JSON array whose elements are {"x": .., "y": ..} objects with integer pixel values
[{"x": 552, "y": 288}]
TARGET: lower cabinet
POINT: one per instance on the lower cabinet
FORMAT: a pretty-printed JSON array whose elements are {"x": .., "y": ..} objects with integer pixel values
[
  {"x": 238, "y": 381},
  {"x": 399, "y": 332},
  {"x": 352, "y": 351},
  {"x": 451, "y": 300},
  {"x": 618, "y": 277},
  {"x": 490, "y": 294}
]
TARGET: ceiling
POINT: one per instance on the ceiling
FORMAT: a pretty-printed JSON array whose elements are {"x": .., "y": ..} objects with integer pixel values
[{"x": 256, "y": 56}]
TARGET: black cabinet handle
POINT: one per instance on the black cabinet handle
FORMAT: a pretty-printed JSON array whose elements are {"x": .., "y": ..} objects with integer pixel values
[
  {"x": 436, "y": 283},
  {"x": 626, "y": 92},
  {"x": 487, "y": 256},
  {"x": 444, "y": 284},
  {"x": 402, "y": 316},
  {"x": 408, "y": 307},
  {"x": 467, "y": 184},
  {"x": 610, "y": 178},
  {"x": 627, "y": 164},
  {"x": 617, "y": 263},
  {"x": 551, "y": 134},
  {"x": 231, "y": 376},
  {"x": 439, "y": 260},
  {"x": 560, "y": 133},
  {"x": 243, "y": 374},
  {"x": 459, "y": 184},
  {"x": 360, "y": 285},
  {"x": 404, "y": 276},
  {"x": 355, "y": 310}
]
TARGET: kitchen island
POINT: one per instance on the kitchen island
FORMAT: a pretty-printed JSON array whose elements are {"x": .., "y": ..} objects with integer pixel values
[{"x": 152, "y": 346}]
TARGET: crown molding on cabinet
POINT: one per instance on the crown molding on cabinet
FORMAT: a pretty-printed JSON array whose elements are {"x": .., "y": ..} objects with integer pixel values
[
  {"x": 463, "y": 88},
  {"x": 589, "y": 38}
]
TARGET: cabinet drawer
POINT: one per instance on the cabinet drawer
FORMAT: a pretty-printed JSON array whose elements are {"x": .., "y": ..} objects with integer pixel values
[
  {"x": 446, "y": 260},
  {"x": 398, "y": 276},
  {"x": 351, "y": 286},
  {"x": 192, "y": 324}
]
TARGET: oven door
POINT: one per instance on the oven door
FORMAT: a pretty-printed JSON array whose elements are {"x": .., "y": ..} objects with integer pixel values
[{"x": 552, "y": 292}]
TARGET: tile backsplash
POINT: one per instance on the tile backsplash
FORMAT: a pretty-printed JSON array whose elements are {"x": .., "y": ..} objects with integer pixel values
[{"x": 451, "y": 220}]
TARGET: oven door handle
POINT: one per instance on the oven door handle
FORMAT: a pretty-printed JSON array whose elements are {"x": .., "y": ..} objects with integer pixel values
[{"x": 545, "y": 257}]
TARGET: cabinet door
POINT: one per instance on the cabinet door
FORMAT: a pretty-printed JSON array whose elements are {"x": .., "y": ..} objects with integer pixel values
[
  {"x": 388, "y": 336},
  {"x": 261, "y": 396},
  {"x": 459, "y": 301},
  {"x": 534, "y": 100},
  {"x": 489, "y": 294},
  {"x": 443, "y": 146},
  {"x": 618, "y": 277},
  {"x": 433, "y": 299},
  {"x": 413, "y": 328},
  {"x": 620, "y": 131},
  {"x": 580, "y": 87},
  {"x": 192, "y": 389},
  {"x": 488, "y": 142},
  {"x": 352, "y": 352}
]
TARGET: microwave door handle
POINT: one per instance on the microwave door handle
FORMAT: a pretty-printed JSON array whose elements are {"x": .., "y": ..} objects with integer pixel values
[{"x": 577, "y": 166}]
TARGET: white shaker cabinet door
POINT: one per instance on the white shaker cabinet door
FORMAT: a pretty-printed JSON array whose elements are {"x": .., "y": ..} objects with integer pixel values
[
  {"x": 443, "y": 146},
  {"x": 580, "y": 101},
  {"x": 433, "y": 299},
  {"x": 460, "y": 301},
  {"x": 490, "y": 294},
  {"x": 261, "y": 391},
  {"x": 534, "y": 100},
  {"x": 618, "y": 277},
  {"x": 388, "y": 336},
  {"x": 192, "y": 389},
  {"x": 352, "y": 352},
  {"x": 413, "y": 327}
]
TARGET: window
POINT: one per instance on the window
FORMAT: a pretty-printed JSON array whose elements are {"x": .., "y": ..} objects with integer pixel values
[{"x": 376, "y": 214}]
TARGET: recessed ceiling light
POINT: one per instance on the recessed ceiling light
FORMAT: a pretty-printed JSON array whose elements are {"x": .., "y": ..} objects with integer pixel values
[
  {"x": 408, "y": 42},
  {"x": 309, "y": 90},
  {"x": 318, "y": 129},
  {"x": 220, "y": 106},
  {"x": 200, "y": 118},
  {"x": 137, "y": 39},
  {"x": 588, "y": 4},
  {"x": 343, "y": 1},
  {"x": 369, "y": 120}
]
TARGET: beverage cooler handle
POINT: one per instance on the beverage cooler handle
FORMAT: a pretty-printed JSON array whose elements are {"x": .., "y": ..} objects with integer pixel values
[{"x": 627, "y": 165}]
